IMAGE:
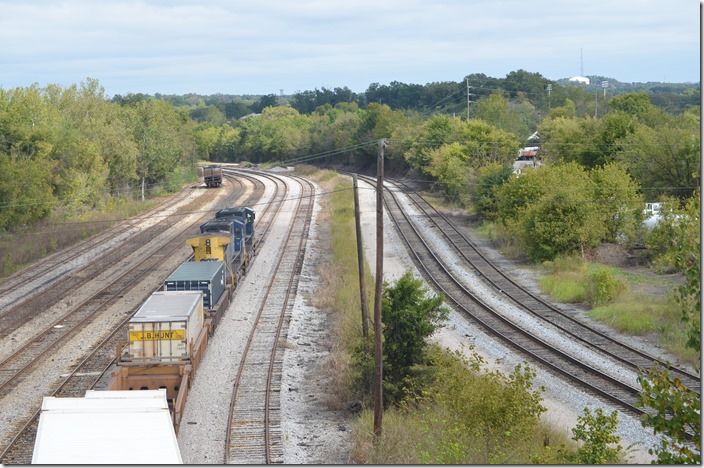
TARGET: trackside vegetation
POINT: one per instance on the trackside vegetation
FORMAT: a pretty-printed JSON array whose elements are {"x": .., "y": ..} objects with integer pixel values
[
  {"x": 441, "y": 406},
  {"x": 72, "y": 159}
]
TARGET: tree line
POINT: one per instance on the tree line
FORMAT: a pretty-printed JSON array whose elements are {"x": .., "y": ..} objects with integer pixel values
[
  {"x": 70, "y": 150},
  {"x": 449, "y": 97}
]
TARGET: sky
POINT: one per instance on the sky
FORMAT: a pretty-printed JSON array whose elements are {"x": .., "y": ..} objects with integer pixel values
[{"x": 287, "y": 46}]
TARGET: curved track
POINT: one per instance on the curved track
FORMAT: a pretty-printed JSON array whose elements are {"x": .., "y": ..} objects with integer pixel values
[
  {"x": 463, "y": 248},
  {"x": 433, "y": 267}
]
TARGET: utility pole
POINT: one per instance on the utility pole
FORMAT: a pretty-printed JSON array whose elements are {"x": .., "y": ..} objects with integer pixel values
[
  {"x": 467, "y": 79},
  {"x": 596, "y": 100},
  {"x": 378, "y": 362},
  {"x": 360, "y": 261}
]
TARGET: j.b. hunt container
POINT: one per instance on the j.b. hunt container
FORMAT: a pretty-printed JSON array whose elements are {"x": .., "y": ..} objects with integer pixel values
[
  {"x": 166, "y": 327},
  {"x": 208, "y": 277}
]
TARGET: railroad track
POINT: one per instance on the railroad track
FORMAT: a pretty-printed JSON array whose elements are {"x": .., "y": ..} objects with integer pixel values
[
  {"x": 254, "y": 433},
  {"x": 555, "y": 360},
  {"x": 463, "y": 248},
  {"x": 43, "y": 272},
  {"x": 101, "y": 355},
  {"x": 45, "y": 340},
  {"x": 83, "y": 377},
  {"x": 57, "y": 284}
]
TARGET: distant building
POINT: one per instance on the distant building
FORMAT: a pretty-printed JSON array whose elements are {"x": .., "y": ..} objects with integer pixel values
[{"x": 579, "y": 79}]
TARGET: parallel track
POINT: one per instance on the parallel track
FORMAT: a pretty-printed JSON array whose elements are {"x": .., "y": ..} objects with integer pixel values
[
  {"x": 538, "y": 351},
  {"x": 55, "y": 287},
  {"x": 463, "y": 248},
  {"x": 100, "y": 356},
  {"x": 254, "y": 422}
]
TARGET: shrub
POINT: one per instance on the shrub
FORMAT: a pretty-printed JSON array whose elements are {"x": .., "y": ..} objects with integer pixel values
[
  {"x": 598, "y": 433},
  {"x": 409, "y": 316},
  {"x": 602, "y": 287}
]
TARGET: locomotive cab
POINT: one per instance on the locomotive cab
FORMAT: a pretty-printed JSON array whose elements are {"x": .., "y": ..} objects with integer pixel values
[{"x": 244, "y": 215}]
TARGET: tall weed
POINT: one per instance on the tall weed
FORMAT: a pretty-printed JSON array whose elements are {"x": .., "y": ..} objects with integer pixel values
[{"x": 602, "y": 287}]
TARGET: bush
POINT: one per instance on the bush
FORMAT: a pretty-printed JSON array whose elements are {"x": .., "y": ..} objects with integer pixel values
[
  {"x": 598, "y": 433},
  {"x": 602, "y": 287},
  {"x": 468, "y": 415},
  {"x": 409, "y": 315}
]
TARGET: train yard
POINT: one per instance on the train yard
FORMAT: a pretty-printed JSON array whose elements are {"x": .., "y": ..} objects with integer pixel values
[{"x": 234, "y": 412}]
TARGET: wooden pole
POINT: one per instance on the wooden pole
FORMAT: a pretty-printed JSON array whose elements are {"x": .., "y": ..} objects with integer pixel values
[
  {"x": 378, "y": 375},
  {"x": 360, "y": 261}
]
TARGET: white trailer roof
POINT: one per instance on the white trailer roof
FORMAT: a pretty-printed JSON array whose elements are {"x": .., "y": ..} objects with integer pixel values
[
  {"x": 168, "y": 306},
  {"x": 108, "y": 427}
]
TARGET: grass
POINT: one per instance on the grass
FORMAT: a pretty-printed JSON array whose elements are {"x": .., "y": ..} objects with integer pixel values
[
  {"x": 430, "y": 422},
  {"x": 339, "y": 288},
  {"x": 26, "y": 245},
  {"x": 564, "y": 287},
  {"x": 567, "y": 279},
  {"x": 496, "y": 233},
  {"x": 635, "y": 315}
]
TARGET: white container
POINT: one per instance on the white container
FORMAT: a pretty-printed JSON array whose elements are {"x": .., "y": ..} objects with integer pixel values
[
  {"x": 166, "y": 326},
  {"x": 107, "y": 428}
]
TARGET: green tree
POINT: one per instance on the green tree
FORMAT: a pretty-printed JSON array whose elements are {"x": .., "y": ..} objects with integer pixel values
[
  {"x": 638, "y": 105},
  {"x": 562, "y": 138},
  {"x": 486, "y": 144},
  {"x": 517, "y": 118},
  {"x": 409, "y": 316},
  {"x": 26, "y": 194},
  {"x": 550, "y": 211},
  {"x": 568, "y": 110},
  {"x": 610, "y": 132},
  {"x": 226, "y": 148},
  {"x": 278, "y": 133},
  {"x": 207, "y": 137},
  {"x": 118, "y": 148},
  {"x": 483, "y": 192},
  {"x": 515, "y": 195},
  {"x": 156, "y": 131},
  {"x": 597, "y": 432},
  {"x": 617, "y": 197},
  {"x": 676, "y": 410},
  {"x": 82, "y": 172},
  {"x": 450, "y": 167},
  {"x": 435, "y": 132},
  {"x": 207, "y": 114},
  {"x": 665, "y": 160}
]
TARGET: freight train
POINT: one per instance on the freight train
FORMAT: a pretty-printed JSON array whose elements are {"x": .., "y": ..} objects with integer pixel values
[
  {"x": 166, "y": 341},
  {"x": 169, "y": 333}
]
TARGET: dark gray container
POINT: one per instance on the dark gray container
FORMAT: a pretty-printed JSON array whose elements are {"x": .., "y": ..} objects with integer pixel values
[{"x": 208, "y": 277}]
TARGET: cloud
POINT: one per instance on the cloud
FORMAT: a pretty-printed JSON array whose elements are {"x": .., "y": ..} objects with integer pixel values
[{"x": 153, "y": 44}]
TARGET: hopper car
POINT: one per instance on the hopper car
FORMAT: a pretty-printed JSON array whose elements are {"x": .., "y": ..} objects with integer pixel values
[{"x": 212, "y": 176}]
